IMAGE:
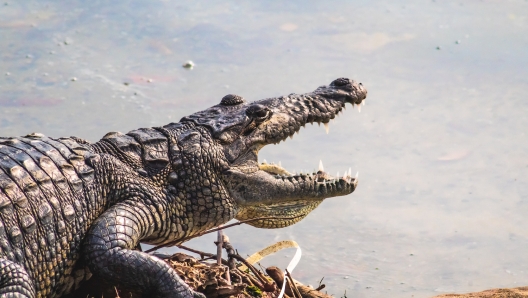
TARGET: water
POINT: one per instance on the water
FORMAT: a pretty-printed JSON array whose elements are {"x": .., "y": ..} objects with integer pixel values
[{"x": 440, "y": 145}]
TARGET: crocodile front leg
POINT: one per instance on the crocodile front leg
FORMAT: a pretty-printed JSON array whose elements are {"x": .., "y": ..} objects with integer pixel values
[
  {"x": 108, "y": 252},
  {"x": 15, "y": 281}
]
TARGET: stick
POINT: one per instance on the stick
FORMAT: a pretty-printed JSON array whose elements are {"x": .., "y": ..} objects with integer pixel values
[
  {"x": 201, "y": 253},
  {"x": 251, "y": 267},
  {"x": 319, "y": 288},
  {"x": 256, "y": 282},
  {"x": 278, "y": 276},
  {"x": 292, "y": 287},
  {"x": 292, "y": 283},
  {"x": 219, "y": 245},
  {"x": 268, "y": 287},
  {"x": 230, "y": 250},
  {"x": 228, "y": 276},
  {"x": 175, "y": 242}
]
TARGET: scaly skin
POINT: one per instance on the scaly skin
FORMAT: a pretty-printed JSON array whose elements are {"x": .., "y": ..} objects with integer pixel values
[{"x": 69, "y": 208}]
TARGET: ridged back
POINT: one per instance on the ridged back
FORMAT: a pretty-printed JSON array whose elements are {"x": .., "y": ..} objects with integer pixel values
[{"x": 47, "y": 201}]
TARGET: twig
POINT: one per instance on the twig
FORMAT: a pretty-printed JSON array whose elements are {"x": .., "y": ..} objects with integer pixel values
[
  {"x": 251, "y": 267},
  {"x": 230, "y": 250},
  {"x": 290, "y": 285},
  {"x": 246, "y": 279},
  {"x": 321, "y": 282},
  {"x": 307, "y": 292},
  {"x": 261, "y": 268},
  {"x": 117, "y": 292},
  {"x": 256, "y": 282},
  {"x": 268, "y": 286},
  {"x": 293, "y": 284},
  {"x": 228, "y": 275},
  {"x": 175, "y": 242},
  {"x": 219, "y": 248},
  {"x": 201, "y": 253},
  {"x": 320, "y": 287},
  {"x": 236, "y": 277}
]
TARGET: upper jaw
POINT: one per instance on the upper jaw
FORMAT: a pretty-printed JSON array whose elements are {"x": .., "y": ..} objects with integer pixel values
[
  {"x": 290, "y": 113},
  {"x": 228, "y": 122}
]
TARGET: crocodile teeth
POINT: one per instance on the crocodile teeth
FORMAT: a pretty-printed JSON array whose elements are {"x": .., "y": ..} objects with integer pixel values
[
  {"x": 321, "y": 166},
  {"x": 359, "y": 108},
  {"x": 327, "y": 127},
  {"x": 363, "y": 102},
  {"x": 357, "y": 175},
  {"x": 349, "y": 172}
]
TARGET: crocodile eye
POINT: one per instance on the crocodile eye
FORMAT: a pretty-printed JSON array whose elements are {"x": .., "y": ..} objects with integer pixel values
[
  {"x": 258, "y": 111},
  {"x": 262, "y": 113}
]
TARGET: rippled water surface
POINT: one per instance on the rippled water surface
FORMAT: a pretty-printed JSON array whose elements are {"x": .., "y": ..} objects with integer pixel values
[{"x": 441, "y": 145}]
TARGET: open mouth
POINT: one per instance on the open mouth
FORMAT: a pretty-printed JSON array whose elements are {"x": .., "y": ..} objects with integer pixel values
[
  {"x": 320, "y": 178},
  {"x": 267, "y": 189},
  {"x": 293, "y": 195}
]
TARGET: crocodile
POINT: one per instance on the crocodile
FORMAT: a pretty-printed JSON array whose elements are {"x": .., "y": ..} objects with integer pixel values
[{"x": 70, "y": 209}]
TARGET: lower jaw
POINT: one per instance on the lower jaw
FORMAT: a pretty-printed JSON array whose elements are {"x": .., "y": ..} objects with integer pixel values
[
  {"x": 318, "y": 185},
  {"x": 278, "y": 216},
  {"x": 278, "y": 172}
]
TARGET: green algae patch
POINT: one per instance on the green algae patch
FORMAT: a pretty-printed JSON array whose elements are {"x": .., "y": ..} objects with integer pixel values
[{"x": 254, "y": 291}]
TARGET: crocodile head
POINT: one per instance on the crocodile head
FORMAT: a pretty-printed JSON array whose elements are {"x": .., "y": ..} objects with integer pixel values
[{"x": 241, "y": 129}]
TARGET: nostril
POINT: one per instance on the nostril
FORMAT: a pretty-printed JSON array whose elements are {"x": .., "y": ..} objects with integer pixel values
[{"x": 341, "y": 82}]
